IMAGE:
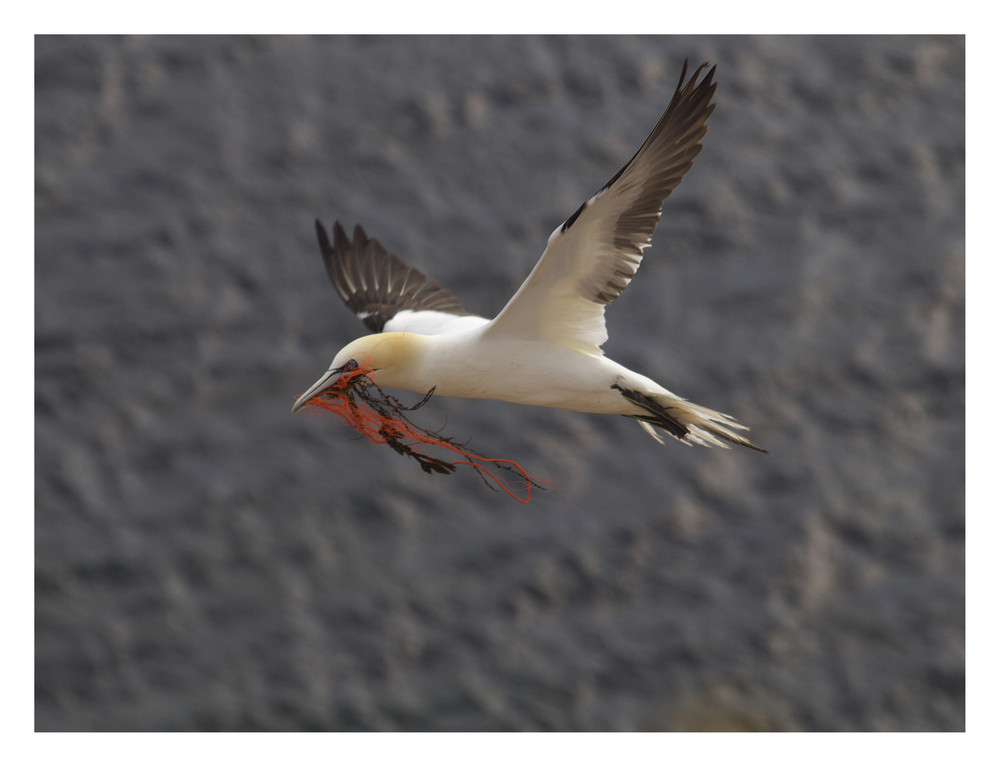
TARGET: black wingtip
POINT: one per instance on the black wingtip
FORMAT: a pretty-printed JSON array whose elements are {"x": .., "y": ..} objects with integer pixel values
[
  {"x": 686, "y": 83},
  {"x": 360, "y": 236},
  {"x": 324, "y": 240},
  {"x": 684, "y": 71}
]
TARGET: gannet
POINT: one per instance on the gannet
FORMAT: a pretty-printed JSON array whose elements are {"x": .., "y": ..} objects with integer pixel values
[{"x": 544, "y": 347}]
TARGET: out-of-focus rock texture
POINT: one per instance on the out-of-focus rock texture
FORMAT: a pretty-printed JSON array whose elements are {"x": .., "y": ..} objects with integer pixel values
[{"x": 205, "y": 560}]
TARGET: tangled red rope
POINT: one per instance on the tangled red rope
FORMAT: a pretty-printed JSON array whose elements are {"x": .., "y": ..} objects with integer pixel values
[{"x": 382, "y": 419}]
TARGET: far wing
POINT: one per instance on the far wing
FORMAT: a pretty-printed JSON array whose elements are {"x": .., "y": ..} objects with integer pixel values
[{"x": 379, "y": 287}]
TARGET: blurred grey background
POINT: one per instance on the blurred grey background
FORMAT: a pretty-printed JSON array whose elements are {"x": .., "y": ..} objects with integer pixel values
[{"x": 206, "y": 561}]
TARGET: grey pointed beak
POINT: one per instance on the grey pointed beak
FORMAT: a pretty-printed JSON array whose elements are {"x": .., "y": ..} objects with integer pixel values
[{"x": 328, "y": 379}]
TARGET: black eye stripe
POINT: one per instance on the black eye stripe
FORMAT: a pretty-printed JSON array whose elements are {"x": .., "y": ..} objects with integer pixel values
[{"x": 348, "y": 366}]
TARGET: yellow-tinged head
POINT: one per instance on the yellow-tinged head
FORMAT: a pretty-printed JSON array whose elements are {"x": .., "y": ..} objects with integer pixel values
[{"x": 390, "y": 356}]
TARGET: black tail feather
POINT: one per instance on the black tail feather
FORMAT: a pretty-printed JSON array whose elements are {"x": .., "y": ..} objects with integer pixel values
[
  {"x": 656, "y": 414},
  {"x": 660, "y": 415}
]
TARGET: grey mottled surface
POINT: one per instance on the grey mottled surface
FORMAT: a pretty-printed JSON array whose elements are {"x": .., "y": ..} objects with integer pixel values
[{"x": 204, "y": 560}]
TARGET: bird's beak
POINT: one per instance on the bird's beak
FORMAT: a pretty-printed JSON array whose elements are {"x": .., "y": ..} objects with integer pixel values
[{"x": 328, "y": 379}]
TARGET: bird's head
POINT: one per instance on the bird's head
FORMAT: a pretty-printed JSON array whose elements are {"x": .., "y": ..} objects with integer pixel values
[{"x": 387, "y": 355}]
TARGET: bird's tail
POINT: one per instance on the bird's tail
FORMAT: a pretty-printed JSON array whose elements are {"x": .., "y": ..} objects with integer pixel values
[{"x": 690, "y": 423}]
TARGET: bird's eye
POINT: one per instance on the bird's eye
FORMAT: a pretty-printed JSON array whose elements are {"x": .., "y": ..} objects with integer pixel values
[{"x": 348, "y": 366}]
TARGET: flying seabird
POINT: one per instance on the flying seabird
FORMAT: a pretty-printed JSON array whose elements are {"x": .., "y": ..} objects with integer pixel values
[{"x": 544, "y": 347}]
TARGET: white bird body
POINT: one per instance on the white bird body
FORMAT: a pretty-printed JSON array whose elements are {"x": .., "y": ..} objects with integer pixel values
[
  {"x": 544, "y": 347},
  {"x": 474, "y": 363}
]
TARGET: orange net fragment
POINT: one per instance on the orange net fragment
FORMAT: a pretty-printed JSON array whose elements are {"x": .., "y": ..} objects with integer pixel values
[{"x": 383, "y": 420}]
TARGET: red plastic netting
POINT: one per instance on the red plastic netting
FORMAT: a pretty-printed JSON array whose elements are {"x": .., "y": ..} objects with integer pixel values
[{"x": 383, "y": 419}]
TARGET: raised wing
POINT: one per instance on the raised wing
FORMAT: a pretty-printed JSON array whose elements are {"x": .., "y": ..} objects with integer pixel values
[
  {"x": 593, "y": 256},
  {"x": 377, "y": 286}
]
